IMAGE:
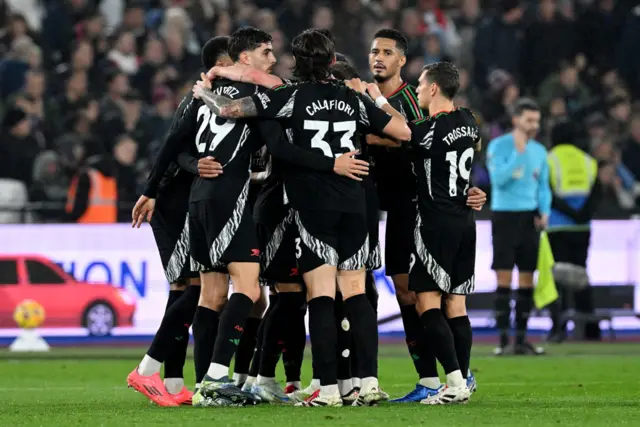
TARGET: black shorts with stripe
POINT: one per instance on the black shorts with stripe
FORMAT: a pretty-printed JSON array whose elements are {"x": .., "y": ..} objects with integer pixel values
[
  {"x": 278, "y": 239},
  {"x": 331, "y": 237},
  {"x": 220, "y": 235},
  {"x": 444, "y": 257},
  {"x": 374, "y": 260},
  {"x": 171, "y": 233}
]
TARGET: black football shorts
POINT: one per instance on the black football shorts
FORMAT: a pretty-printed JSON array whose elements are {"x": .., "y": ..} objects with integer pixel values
[
  {"x": 515, "y": 241},
  {"x": 444, "y": 258},
  {"x": 278, "y": 245},
  {"x": 221, "y": 235},
  {"x": 171, "y": 233},
  {"x": 401, "y": 221},
  {"x": 331, "y": 237}
]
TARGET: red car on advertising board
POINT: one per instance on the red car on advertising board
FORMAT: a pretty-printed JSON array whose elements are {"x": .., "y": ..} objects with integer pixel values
[{"x": 67, "y": 302}]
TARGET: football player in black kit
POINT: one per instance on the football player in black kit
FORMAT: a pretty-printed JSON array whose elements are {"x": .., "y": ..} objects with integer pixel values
[
  {"x": 443, "y": 260},
  {"x": 164, "y": 203},
  {"x": 322, "y": 114},
  {"x": 395, "y": 182}
]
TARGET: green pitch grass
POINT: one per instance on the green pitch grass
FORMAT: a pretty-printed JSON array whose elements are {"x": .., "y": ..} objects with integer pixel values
[{"x": 575, "y": 385}]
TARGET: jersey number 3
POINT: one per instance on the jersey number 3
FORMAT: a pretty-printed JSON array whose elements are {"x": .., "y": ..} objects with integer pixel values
[
  {"x": 459, "y": 168},
  {"x": 322, "y": 127},
  {"x": 219, "y": 132}
]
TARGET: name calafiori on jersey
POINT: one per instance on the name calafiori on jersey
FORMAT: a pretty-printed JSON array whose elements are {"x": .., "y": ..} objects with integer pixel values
[
  {"x": 229, "y": 91},
  {"x": 461, "y": 132},
  {"x": 329, "y": 105}
]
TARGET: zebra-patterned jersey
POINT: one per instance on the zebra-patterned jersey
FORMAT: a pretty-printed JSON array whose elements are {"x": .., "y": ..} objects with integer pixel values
[
  {"x": 231, "y": 142},
  {"x": 322, "y": 117},
  {"x": 444, "y": 146}
]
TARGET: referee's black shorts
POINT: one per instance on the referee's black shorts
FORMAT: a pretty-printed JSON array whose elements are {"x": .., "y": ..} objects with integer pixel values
[{"x": 515, "y": 241}]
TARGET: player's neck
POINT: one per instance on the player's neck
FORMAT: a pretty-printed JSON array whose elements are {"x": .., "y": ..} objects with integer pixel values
[
  {"x": 438, "y": 106},
  {"x": 519, "y": 136},
  {"x": 389, "y": 87}
]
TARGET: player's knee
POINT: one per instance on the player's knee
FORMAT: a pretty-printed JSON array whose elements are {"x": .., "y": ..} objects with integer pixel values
[
  {"x": 212, "y": 299},
  {"x": 259, "y": 306},
  {"x": 351, "y": 283},
  {"x": 178, "y": 286},
  {"x": 455, "y": 306},
  {"x": 405, "y": 297},
  {"x": 525, "y": 279},
  {"x": 288, "y": 287},
  {"x": 504, "y": 278},
  {"x": 428, "y": 301}
]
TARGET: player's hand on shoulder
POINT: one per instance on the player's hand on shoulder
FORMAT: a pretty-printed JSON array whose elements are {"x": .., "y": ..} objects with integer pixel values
[
  {"x": 213, "y": 73},
  {"x": 209, "y": 167},
  {"x": 357, "y": 85},
  {"x": 143, "y": 209},
  {"x": 201, "y": 85},
  {"x": 347, "y": 165},
  {"x": 373, "y": 90},
  {"x": 476, "y": 198}
]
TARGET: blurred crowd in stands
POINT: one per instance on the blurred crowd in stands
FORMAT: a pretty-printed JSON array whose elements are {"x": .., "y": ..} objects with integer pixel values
[{"x": 99, "y": 80}]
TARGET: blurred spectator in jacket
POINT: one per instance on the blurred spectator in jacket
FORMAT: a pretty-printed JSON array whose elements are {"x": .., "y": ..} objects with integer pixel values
[
  {"x": 498, "y": 43},
  {"x": 18, "y": 147},
  {"x": 123, "y": 55},
  {"x": 567, "y": 85},
  {"x": 631, "y": 147},
  {"x": 125, "y": 153},
  {"x": 547, "y": 41}
]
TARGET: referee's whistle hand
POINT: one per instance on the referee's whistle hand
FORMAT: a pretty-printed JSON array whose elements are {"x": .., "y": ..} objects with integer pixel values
[
  {"x": 347, "y": 165},
  {"x": 208, "y": 167},
  {"x": 476, "y": 198}
]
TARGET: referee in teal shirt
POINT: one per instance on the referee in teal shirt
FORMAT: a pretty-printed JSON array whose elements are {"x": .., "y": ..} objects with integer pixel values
[{"x": 521, "y": 203}]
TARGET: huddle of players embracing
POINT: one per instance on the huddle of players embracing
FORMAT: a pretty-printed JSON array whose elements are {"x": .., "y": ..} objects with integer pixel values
[{"x": 278, "y": 198}]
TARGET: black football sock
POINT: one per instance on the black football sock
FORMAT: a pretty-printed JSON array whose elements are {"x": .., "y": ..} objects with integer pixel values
[
  {"x": 423, "y": 360},
  {"x": 257, "y": 355},
  {"x": 274, "y": 324},
  {"x": 463, "y": 339},
  {"x": 440, "y": 338},
  {"x": 524, "y": 304},
  {"x": 364, "y": 325},
  {"x": 344, "y": 339},
  {"x": 232, "y": 321},
  {"x": 294, "y": 334},
  {"x": 503, "y": 313},
  {"x": 322, "y": 328},
  {"x": 247, "y": 346},
  {"x": 183, "y": 310},
  {"x": 371, "y": 290},
  {"x": 205, "y": 330}
]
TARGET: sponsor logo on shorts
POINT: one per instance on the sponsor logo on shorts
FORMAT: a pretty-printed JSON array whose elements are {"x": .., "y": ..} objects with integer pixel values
[
  {"x": 238, "y": 328},
  {"x": 294, "y": 272},
  {"x": 255, "y": 252}
]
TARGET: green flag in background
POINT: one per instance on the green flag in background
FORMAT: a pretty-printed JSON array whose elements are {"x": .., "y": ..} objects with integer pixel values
[{"x": 545, "y": 292}]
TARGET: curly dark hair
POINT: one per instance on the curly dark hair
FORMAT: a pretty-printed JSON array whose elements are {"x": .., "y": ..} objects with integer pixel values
[{"x": 314, "y": 54}]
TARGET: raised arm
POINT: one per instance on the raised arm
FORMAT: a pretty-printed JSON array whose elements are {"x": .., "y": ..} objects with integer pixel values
[
  {"x": 222, "y": 106},
  {"x": 501, "y": 169},
  {"x": 245, "y": 74}
]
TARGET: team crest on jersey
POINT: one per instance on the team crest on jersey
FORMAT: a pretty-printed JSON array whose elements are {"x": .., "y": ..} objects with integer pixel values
[{"x": 518, "y": 173}]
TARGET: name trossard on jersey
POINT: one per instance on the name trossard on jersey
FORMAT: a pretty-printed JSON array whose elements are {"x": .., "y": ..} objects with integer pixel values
[
  {"x": 323, "y": 117},
  {"x": 444, "y": 148},
  {"x": 231, "y": 142}
]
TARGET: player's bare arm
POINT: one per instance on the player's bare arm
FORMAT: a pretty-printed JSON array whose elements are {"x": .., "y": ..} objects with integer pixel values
[
  {"x": 476, "y": 198},
  {"x": 224, "y": 107},
  {"x": 245, "y": 74},
  {"x": 376, "y": 140}
]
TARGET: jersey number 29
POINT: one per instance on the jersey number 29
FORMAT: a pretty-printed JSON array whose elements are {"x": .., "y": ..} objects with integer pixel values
[
  {"x": 322, "y": 127},
  {"x": 459, "y": 168},
  {"x": 219, "y": 131}
]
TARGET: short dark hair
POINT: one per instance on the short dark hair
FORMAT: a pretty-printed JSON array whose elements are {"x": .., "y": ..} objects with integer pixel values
[
  {"x": 445, "y": 75},
  {"x": 328, "y": 34},
  {"x": 244, "y": 39},
  {"x": 213, "y": 49},
  {"x": 344, "y": 71},
  {"x": 522, "y": 105},
  {"x": 395, "y": 35},
  {"x": 314, "y": 54}
]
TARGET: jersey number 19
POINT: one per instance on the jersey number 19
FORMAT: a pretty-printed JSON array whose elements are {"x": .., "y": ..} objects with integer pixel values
[
  {"x": 459, "y": 168},
  {"x": 219, "y": 132}
]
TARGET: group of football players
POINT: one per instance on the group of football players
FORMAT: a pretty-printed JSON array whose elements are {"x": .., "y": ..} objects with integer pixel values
[{"x": 275, "y": 184}]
